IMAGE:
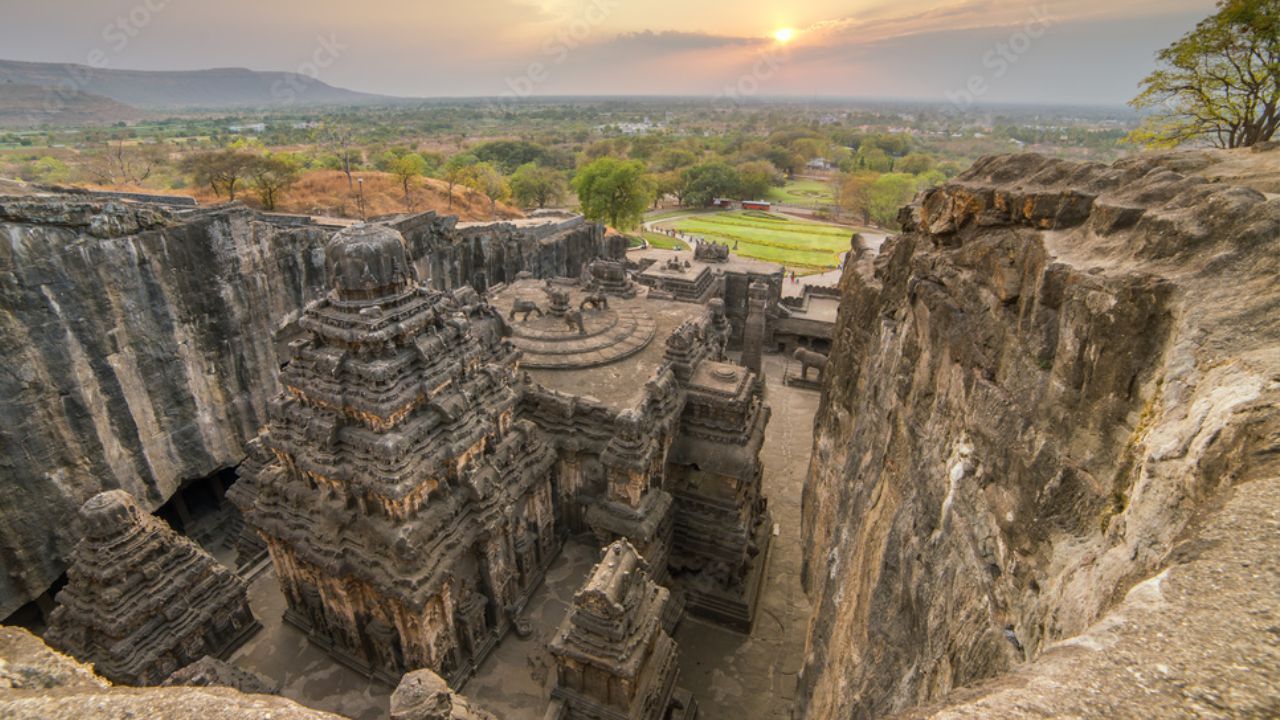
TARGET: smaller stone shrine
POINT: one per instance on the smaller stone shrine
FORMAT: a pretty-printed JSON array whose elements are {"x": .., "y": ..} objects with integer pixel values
[
  {"x": 610, "y": 276},
  {"x": 613, "y": 659},
  {"x": 212, "y": 672},
  {"x": 711, "y": 251},
  {"x": 142, "y": 601}
]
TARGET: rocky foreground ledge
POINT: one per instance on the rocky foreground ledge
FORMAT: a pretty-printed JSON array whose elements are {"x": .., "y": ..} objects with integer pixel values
[{"x": 1048, "y": 451}]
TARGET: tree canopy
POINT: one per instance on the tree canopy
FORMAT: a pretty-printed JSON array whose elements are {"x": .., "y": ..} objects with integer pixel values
[
  {"x": 533, "y": 185},
  {"x": 708, "y": 181},
  {"x": 1220, "y": 82},
  {"x": 615, "y": 191}
]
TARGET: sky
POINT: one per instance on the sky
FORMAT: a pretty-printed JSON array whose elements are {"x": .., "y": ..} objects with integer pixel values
[{"x": 1042, "y": 51}]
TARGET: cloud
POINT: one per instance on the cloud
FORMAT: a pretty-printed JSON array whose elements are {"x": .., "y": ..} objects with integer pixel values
[{"x": 676, "y": 41}]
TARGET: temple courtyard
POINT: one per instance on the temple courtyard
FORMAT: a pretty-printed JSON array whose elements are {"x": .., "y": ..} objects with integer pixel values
[{"x": 737, "y": 675}]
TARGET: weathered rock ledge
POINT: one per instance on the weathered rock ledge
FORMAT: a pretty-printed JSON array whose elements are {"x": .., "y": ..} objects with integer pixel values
[
  {"x": 37, "y": 683},
  {"x": 1041, "y": 395}
]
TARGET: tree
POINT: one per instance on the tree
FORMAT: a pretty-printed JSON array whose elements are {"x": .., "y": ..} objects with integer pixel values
[
  {"x": 222, "y": 170},
  {"x": 341, "y": 142},
  {"x": 784, "y": 159},
  {"x": 455, "y": 171},
  {"x": 45, "y": 169},
  {"x": 533, "y": 185},
  {"x": 1220, "y": 82},
  {"x": 485, "y": 179},
  {"x": 810, "y": 148},
  {"x": 708, "y": 181},
  {"x": 613, "y": 190},
  {"x": 674, "y": 159},
  {"x": 118, "y": 163},
  {"x": 871, "y": 157},
  {"x": 887, "y": 194},
  {"x": 854, "y": 193},
  {"x": 509, "y": 155},
  {"x": 756, "y": 177},
  {"x": 930, "y": 178},
  {"x": 407, "y": 167},
  {"x": 915, "y": 163},
  {"x": 273, "y": 174}
]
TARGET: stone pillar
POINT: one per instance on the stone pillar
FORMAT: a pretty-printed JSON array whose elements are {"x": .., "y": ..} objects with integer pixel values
[{"x": 754, "y": 331}]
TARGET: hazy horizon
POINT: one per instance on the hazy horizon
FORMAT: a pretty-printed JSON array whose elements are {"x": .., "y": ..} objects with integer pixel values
[{"x": 1089, "y": 53}]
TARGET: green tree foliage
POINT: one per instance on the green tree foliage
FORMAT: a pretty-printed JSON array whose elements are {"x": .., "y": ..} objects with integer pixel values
[
  {"x": 407, "y": 167},
  {"x": 455, "y": 171},
  {"x": 533, "y": 185},
  {"x": 874, "y": 158},
  {"x": 615, "y": 191},
  {"x": 930, "y": 178},
  {"x": 810, "y": 148},
  {"x": 708, "y": 181},
  {"x": 509, "y": 155},
  {"x": 1220, "y": 82},
  {"x": 756, "y": 177},
  {"x": 674, "y": 159},
  {"x": 484, "y": 178},
  {"x": 785, "y": 159},
  {"x": 854, "y": 193},
  {"x": 914, "y": 163},
  {"x": 272, "y": 174},
  {"x": 887, "y": 195},
  {"x": 45, "y": 169},
  {"x": 222, "y": 170}
]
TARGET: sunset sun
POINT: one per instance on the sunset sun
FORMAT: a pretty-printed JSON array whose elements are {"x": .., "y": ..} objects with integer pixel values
[{"x": 784, "y": 35}]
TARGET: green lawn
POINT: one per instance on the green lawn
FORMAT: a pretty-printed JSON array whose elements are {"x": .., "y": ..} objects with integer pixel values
[
  {"x": 659, "y": 240},
  {"x": 803, "y": 192},
  {"x": 674, "y": 212},
  {"x": 775, "y": 238}
]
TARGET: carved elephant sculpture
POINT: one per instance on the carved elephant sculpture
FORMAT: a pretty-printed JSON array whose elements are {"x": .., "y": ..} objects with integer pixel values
[{"x": 810, "y": 359}]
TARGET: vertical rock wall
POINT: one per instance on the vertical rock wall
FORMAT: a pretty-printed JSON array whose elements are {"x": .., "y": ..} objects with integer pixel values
[
  {"x": 1032, "y": 393},
  {"x": 139, "y": 345},
  {"x": 138, "y": 351}
]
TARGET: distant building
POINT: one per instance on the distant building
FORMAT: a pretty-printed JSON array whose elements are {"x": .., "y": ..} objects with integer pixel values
[
  {"x": 722, "y": 203},
  {"x": 250, "y": 128}
]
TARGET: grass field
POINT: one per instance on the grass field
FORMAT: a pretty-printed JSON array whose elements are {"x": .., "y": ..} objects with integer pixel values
[
  {"x": 802, "y": 192},
  {"x": 765, "y": 236},
  {"x": 659, "y": 240}
]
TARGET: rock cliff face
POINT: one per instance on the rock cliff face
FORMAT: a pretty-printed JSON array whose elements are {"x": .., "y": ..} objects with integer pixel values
[
  {"x": 1034, "y": 394},
  {"x": 37, "y": 683},
  {"x": 139, "y": 346}
]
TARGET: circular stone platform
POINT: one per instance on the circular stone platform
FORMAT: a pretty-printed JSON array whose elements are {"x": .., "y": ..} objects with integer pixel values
[{"x": 550, "y": 343}]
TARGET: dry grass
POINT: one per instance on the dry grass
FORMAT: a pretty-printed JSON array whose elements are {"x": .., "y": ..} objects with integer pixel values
[{"x": 325, "y": 193}]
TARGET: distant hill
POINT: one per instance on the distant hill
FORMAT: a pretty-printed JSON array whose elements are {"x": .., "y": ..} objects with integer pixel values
[
  {"x": 173, "y": 90},
  {"x": 32, "y": 105}
]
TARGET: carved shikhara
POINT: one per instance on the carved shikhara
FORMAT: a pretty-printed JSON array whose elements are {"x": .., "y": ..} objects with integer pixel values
[
  {"x": 408, "y": 513},
  {"x": 142, "y": 601},
  {"x": 412, "y": 491}
]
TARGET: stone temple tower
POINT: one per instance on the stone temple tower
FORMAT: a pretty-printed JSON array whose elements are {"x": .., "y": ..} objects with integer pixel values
[
  {"x": 407, "y": 513},
  {"x": 142, "y": 601},
  {"x": 613, "y": 659}
]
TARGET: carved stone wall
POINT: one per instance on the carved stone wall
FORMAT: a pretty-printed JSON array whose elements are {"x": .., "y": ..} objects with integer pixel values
[
  {"x": 409, "y": 514},
  {"x": 613, "y": 659},
  {"x": 141, "y": 601}
]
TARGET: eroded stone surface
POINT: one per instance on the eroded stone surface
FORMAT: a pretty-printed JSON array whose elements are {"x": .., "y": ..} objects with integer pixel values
[
  {"x": 1033, "y": 393},
  {"x": 613, "y": 659},
  {"x": 37, "y": 683},
  {"x": 408, "y": 512},
  {"x": 141, "y": 602},
  {"x": 144, "y": 342}
]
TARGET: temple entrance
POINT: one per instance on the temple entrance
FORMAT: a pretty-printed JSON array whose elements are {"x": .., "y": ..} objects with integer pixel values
[
  {"x": 34, "y": 616},
  {"x": 200, "y": 511}
]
